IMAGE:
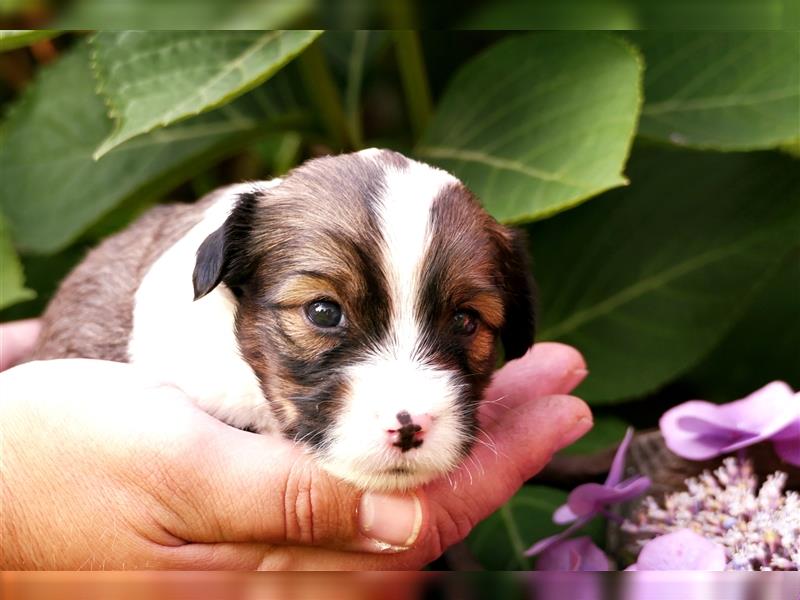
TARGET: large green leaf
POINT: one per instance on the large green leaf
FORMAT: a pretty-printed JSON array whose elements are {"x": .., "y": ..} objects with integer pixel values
[
  {"x": 721, "y": 90},
  {"x": 539, "y": 122},
  {"x": 182, "y": 14},
  {"x": 52, "y": 188},
  {"x": 646, "y": 280},
  {"x": 16, "y": 38},
  {"x": 635, "y": 14},
  {"x": 150, "y": 79},
  {"x": 12, "y": 288},
  {"x": 762, "y": 346},
  {"x": 499, "y": 541}
]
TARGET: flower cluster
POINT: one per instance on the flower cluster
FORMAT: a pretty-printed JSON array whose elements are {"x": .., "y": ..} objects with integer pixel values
[
  {"x": 722, "y": 521},
  {"x": 758, "y": 529}
]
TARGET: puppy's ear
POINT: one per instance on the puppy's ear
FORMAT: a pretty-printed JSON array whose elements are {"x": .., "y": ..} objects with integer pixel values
[
  {"x": 224, "y": 255},
  {"x": 519, "y": 290}
]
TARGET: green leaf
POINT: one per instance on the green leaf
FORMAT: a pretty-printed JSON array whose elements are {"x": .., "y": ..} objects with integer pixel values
[
  {"x": 646, "y": 280},
  {"x": 12, "y": 288},
  {"x": 150, "y": 79},
  {"x": 43, "y": 275},
  {"x": 17, "y": 38},
  {"x": 607, "y": 431},
  {"x": 499, "y": 541},
  {"x": 721, "y": 90},
  {"x": 762, "y": 346},
  {"x": 792, "y": 148},
  {"x": 182, "y": 14},
  {"x": 539, "y": 123},
  {"x": 52, "y": 188},
  {"x": 635, "y": 14},
  {"x": 564, "y": 14}
]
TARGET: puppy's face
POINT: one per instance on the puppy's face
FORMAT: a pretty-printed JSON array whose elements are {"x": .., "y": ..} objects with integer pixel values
[{"x": 372, "y": 293}]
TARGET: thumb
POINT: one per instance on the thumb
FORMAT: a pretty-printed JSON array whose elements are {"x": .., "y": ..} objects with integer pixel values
[{"x": 262, "y": 488}]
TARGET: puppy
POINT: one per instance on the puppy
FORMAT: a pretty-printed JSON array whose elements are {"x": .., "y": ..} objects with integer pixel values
[{"x": 354, "y": 306}]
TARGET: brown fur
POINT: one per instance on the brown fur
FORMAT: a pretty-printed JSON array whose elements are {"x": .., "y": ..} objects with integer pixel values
[
  {"x": 316, "y": 236},
  {"x": 91, "y": 314}
]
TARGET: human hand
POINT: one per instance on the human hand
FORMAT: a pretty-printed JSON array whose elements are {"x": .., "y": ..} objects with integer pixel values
[
  {"x": 17, "y": 340},
  {"x": 104, "y": 469}
]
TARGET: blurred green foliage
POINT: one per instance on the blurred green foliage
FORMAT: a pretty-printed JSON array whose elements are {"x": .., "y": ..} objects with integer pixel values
[
  {"x": 648, "y": 279},
  {"x": 368, "y": 14},
  {"x": 656, "y": 173}
]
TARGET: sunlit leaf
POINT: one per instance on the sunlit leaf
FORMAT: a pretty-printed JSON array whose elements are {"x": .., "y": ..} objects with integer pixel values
[
  {"x": 150, "y": 79},
  {"x": 539, "y": 122},
  {"x": 698, "y": 15},
  {"x": 12, "y": 282},
  {"x": 183, "y": 14},
  {"x": 721, "y": 90},
  {"x": 16, "y": 38},
  {"x": 52, "y": 188}
]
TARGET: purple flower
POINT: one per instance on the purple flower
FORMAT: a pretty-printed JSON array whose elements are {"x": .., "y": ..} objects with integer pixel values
[
  {"x": 681, "y": 550},
  {"x": 579, "y": 554},
  {"x": 591, "y": 499},
  {"x": 700, "y": 430}
]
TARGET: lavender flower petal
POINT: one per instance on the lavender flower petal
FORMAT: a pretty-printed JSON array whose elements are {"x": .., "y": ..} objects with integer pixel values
[
  {"x": 590, "y": 499},
  {"x": 787, "y": 444},
  {"x": 618, "y": 464},
  {"x": 545, "y": 543},
  {"x": 579, "y": 554},
  {"x": 700, "y": 430},
  {"x": 682, "y": 550},
  {"x": 563, "y": 515}
]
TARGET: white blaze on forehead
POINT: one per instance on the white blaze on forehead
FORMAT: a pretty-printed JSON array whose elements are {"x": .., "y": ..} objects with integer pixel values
[
  {"x": 405, "y": 216},
  {"x": 394, "y": 377}
]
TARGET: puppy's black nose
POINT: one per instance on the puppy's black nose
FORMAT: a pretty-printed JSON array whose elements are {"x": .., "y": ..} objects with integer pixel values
[{"x": 411, "y": 432}]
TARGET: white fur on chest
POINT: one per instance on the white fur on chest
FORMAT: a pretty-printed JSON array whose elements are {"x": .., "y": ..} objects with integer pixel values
[{"x": 191, "y": 344}]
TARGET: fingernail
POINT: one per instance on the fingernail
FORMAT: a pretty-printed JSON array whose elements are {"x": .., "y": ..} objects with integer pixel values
[
  {"x": 577, "y": 431},
  {"x": 393, "y": 520},
  {"x": 574, "y": 377}
]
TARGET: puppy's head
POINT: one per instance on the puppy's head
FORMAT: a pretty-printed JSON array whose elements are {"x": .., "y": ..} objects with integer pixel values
[{"x": 372, "y": 293}]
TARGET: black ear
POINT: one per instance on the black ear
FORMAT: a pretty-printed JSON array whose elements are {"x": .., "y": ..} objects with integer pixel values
[
  {"x": 208, "y": 269},
  {"x": 224, "y": 256},
  {"x": 519, "y": 291}
]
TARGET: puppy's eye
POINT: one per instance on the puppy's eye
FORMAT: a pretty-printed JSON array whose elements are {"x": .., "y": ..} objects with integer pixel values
[
  {"x": 465, "y": 322},
  {"x": 324, "y": 313}
]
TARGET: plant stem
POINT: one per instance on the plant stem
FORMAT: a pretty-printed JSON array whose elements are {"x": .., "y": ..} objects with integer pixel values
[
  {"x": 324, "y": 94},
  {"x": 415, "y": 81},
  {"x": 515, "y": 538}
]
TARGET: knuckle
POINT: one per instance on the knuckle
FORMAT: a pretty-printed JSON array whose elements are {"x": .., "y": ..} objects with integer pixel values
[
  {"x": 454, "y": 525},
  {"x": 301, "y": 521}
]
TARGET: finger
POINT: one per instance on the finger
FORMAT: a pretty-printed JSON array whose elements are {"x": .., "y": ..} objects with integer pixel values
[
  {"x": 267, "y": 557},
  {"x": 17, "y": 340},
  {"x": 459, "y": 503},
  {"x": 263, "y": 488},
  {"x": 547, "y": 368},
  {"x": 516, "y": 448}
]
